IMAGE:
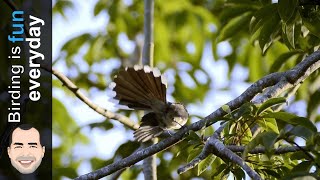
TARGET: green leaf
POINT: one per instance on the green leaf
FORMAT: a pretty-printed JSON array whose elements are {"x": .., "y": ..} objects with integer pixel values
[
  {"x": 282, "y": 59},
  {"x": 194, "y": 153},
  {"x": 106, "y": 125},
  {"x": 311, "y": 19},
  {"x": 292, "y": 119},
  {"x": 268, "y": 32},
  {"x": 226, "y": 109},
  {"x": 67, "y": 172},
  {"x": 301, "y": 131},
  {"x": 61, "y": 6},
  {"x": 246, "y": 109},
  {"x": 127, "y": 148},
  {"x": 72, "y": 46},
  {"x": 247, "y": 135},
  {"x": 289, "y": 30},
  {"x": 270, "y": 103},
  {"x": 272, "y": 173},
  {"x": 261, "y": 16},
  {"x": 95, "y": 51},
  {"x": 239, "y": 174},
  {"x": 234, "y": 26},
  {"x": 204, "y": 164},
  {"x": 267, "y": 139},
  {"x": 265, "y": 2},
  {"x": 236, "y": 10},
  {"x": 314, "y": 103},
  {"x": 286, "y": 9},
  {"x": 304, "y": 166},
  {"x": 268, "y": 124},
  {"x": 218, "y": 170},
  {"x": 99, "y": 7},
  {"x": 193, "y": 138}
]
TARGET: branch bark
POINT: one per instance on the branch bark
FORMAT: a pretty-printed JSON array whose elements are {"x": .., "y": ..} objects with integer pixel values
[
  {"x": 149, "y": 164},
  {"x": 75, "y": 90},
  {"x": 147, "y": 51},
  {"x": 294, "y": 76}
]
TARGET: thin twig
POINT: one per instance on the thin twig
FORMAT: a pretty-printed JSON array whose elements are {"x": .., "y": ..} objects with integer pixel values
[{"x": 75, "y": 90}]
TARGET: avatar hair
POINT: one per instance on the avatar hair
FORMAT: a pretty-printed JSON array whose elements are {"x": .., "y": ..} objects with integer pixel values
[{"x": 23, "y": 127}]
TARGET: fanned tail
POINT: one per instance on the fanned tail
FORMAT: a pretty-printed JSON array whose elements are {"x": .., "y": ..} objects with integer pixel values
[{"x": 140, "y": 87}]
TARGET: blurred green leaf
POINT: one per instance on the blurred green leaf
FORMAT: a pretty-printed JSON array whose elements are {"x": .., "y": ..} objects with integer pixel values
[
  {"x": 226, "y": 108},
  {"x": 60, "y": 6},
  {"x": 234, "y": 26},
  {"x": 311, "y": 19},
  {"x": 106, "y": 124},
  {"x": 282, "y": 59},
  {"x": 127, "y": 148},
  {"x": 286, "y": 9},
  {"x": 269, "y": 32},
  {"x": 67, "y": 172},
  {"x": 302, "y": 132},
  {"x": 313, "y": 104},
  {"x": 261, "y": 16}
]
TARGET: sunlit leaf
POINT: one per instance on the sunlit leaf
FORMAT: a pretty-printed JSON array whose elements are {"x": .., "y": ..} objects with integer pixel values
[
  {"x": 270, "y": 103},
  {"x": 268, "y": 124},
  {"x": 204, "y": 164},
  {"x": 292, "y": 119}
]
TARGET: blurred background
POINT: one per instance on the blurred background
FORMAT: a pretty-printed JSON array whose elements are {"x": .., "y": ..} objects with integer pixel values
[{"x": 205, "y": 49}]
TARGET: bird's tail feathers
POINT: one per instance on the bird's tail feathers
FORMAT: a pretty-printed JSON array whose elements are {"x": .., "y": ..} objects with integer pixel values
[{"x": 139, "y": 87}]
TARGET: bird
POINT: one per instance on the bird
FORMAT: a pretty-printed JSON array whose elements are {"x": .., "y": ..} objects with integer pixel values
[{"x": 144, "y": 88}]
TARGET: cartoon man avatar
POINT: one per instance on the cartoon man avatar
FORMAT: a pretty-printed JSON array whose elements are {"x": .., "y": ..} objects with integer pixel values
[{"x": 25, "y": 150}]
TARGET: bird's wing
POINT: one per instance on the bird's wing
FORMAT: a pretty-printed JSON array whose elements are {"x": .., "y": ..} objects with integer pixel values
[
  {"x": 150, "y": 128},
  {"x": 140, "y": 87}
]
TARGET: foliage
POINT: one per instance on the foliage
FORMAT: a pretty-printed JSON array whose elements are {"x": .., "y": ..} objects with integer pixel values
[{"x": 265, "y": 37}]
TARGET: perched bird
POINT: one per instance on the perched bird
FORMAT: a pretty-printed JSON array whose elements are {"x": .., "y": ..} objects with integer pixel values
[{"x": 144, "y": 88}]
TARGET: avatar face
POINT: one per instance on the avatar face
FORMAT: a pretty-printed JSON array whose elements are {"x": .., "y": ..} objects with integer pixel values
[{"x": 25, "y": 151}]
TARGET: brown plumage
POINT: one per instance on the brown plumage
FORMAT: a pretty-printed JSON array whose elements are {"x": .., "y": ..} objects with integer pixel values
[{"x": 144, "y": 88}]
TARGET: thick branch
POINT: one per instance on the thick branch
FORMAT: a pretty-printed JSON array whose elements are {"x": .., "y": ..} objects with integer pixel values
[
  {"x": 73, "y": 88},
  {"x": 309, "y": 64}
]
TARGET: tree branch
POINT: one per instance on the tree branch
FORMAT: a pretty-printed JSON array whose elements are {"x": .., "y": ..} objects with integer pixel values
[
  {"x": 309, "y": 65},
  {"x": 147, "y": 52},
  {"x": 214, "y": 146},
  {"x": 149, "y": 164},
  {"x": 75, "y": 90}
]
